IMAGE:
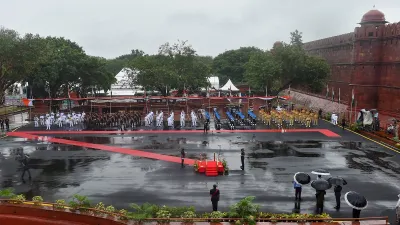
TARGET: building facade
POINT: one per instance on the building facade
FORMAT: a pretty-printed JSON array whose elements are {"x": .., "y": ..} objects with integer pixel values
[{"x": 366, "y": 61}]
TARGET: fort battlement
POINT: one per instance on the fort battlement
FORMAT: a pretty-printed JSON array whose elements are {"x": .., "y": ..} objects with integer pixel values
[
  {"x": 344, "y": 39},
  {"x": 366, "y": 60}
]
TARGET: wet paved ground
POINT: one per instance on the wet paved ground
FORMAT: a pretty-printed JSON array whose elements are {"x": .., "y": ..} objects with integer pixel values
[{"x": 59, "y": 171}]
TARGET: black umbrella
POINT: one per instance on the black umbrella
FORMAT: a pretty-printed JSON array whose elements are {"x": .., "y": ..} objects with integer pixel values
[
  {"x": 321, "y": 172},
  {"x": 302, "y": 178},
  {"x": 321, "y": 185},
  {"x": 355, "y": 200},
  {"x": 337, "y": 181}
]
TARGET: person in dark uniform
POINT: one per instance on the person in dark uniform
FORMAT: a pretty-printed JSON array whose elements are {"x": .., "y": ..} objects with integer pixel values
[
  {"x": 23, "y": 159},
  {"x": 205, "y": 127},
  {"x": 343, "y": 123},
  {"x": 242, "y": 158},
  {"x": 2, "y": 123},
  {"x": 214, "y": 197},
  {"x": 320, "y": 113},
  {"x": 7, "y": 122},
  {"x": 338, "y": 193},
  {"x": 183, "y": 154},
  {"x": 356, "y": 213},
  {"x": 320, "y": 201}
]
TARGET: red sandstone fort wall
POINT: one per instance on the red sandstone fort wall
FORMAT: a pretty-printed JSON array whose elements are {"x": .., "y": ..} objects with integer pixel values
[
  {"x": 368, "y": 60},
  {"x": 338, "y": 51}
]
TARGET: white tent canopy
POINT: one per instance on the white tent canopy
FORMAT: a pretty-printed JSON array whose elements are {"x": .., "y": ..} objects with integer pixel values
[{"x": 229, "y": 86}]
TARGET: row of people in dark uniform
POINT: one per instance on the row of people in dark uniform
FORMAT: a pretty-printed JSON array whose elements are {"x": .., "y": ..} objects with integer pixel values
[{"x": 122, "y": 120}]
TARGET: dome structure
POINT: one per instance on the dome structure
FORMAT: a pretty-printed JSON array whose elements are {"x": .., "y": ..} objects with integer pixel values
[
  {"x": 373, "y": 16},
  {"x": 277, "y": 43}
]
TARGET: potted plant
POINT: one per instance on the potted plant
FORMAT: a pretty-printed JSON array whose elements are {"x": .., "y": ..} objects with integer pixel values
[
  {"x": 60, "y": 204},
  {"x": 37, "y": 200},
  {"x": 188, "y": 216}
]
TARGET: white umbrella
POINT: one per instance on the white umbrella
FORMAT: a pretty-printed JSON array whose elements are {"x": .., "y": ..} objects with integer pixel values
[{"x": 321, "y": 172}]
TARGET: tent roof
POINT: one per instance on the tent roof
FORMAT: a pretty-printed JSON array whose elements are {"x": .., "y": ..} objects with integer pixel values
[{"x": 229, "y": 86}]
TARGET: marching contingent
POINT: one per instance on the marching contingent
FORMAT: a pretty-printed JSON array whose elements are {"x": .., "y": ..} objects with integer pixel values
[
  {"x": 59, "y": 119},
  {"x": 283, "y": 118}
]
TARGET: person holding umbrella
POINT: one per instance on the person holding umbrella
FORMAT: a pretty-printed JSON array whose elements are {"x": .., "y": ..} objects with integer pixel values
[
  {"x": 338, "y": 182},
  {"x": 299, "y": 179},
  {"x": 320, "y": 186},
  {"x": 356, "y": 201},
  {"x": 320, "y": 173}
]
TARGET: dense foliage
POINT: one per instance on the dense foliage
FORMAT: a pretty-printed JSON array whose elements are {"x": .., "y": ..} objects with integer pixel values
[
  {"x": 50, "y": 65},
  {"x": 54, "y": 65},
  {"x": 244, "y": 211}
]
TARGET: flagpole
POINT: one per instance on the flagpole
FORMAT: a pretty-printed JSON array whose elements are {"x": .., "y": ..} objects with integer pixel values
[
  {"x": 355, "y": 111},
  {"x": 351, "y": 105},
  {"x": 339, "y": 104}
]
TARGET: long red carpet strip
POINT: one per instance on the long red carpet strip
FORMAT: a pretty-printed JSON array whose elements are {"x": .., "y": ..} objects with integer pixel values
[
  {"x": 127, "y": 151},
  {"x": 325, "y": 132}
]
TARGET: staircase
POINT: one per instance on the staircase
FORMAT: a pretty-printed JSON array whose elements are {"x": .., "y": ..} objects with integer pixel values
[{"x": 211, "y": 169}]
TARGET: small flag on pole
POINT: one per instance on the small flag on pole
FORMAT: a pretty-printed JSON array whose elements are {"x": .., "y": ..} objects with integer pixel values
[
  {"x": 266, "y": 91},
  {"x": 249, "y": 91},
  {"x": 333, "y": 95},
  {"x": 339, "y": 95},
  {"x": 352, "y": 97},
  {"x": 289, "y": 89}
]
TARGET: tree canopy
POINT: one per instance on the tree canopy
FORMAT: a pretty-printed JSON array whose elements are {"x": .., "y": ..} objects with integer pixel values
[
  {"x": 285, "y": 65},
  {"x": 54, "y": 65},
  {"x": 231, "y": 64},
  {"x": 50, "y": 65},
  {"x": 176, "y": 66}
]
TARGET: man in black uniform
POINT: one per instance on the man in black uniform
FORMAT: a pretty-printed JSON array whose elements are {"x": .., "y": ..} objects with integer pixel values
[
  {"x": 343, "y": 123},
  {"x": 7, "y": 122},
  {"x": 242, "y": 158},
  {"x": 214, "y": 197},
  {"x": 2, "y": 123},
  {"x": 338, "y": 190},
  {"x": 23, "y": 159},
  {"x": 183, "y": 154},
  {"x": 205, "y": 127}
]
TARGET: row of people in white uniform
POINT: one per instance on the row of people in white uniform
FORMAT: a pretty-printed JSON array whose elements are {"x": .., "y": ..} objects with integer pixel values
[
  {"x": 149, "y": 118},
  {"x": 59, "y": 119}
]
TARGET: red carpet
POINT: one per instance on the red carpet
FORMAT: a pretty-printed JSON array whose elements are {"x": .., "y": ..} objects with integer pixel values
[
  {"x": 211, "y": 169},
  {"x": 126, "y": 151},
  {"x": 325, "y": 132}
]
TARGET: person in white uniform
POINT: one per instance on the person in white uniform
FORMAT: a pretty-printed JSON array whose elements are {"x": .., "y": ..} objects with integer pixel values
[
  {"x": 48, "y": 123},
  {"x": 36, "y": 119},
  {"x": 182, "y": 118},
  {"x": 59, "y": 122},
  {"x": 71, "y": 122},
  {"x": 160, "y": 119},
  {"x": 41, "y": 120},
  {"x": 194, "y": 119}
]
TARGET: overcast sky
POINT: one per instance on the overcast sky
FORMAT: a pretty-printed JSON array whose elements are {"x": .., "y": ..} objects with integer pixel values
[{"x": 111, "y": 28}]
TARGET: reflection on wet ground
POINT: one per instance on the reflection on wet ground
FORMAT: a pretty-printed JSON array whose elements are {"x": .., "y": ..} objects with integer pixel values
[{"x": 59, "y": 171}]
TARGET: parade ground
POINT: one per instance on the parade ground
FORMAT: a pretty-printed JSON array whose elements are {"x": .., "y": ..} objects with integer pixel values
[{"x": 120, "y": 170}]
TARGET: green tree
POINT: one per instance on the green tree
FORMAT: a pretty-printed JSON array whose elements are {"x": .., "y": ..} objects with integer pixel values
[
  {"x": 286, "y": 65},
  {"x": 176, "y": 66},
  {"x": 19, "y": 56},
  {"x": 296, "y": 38},
  {"x": 262, "y": 71},
  {"x": 231, "y": 64},
  {"x": 114, "y": 66}
]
